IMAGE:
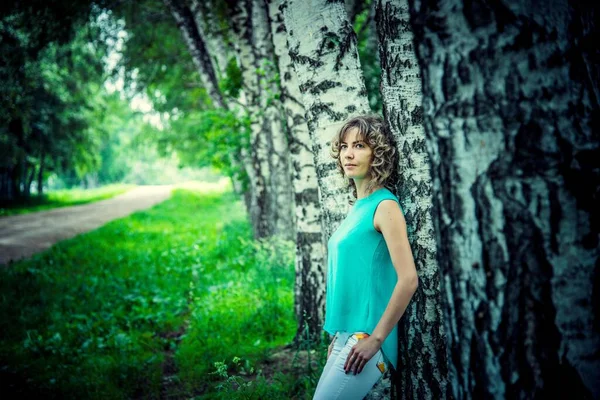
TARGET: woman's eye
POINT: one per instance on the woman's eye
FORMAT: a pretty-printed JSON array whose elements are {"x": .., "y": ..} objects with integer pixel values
[{"x": 360, "y": 145}]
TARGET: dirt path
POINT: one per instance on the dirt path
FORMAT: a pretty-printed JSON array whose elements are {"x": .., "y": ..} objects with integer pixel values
[{"x": 24, "y": 235}]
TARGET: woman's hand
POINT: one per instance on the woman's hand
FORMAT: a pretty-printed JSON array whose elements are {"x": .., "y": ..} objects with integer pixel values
[{"x": 360, "y": 354}]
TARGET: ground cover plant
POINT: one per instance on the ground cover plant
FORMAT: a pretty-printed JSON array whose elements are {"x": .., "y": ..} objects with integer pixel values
[{"x": 177, "y": 301}]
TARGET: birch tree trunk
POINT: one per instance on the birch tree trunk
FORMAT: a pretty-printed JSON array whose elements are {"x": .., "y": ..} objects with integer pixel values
[
  {"x": 202, "y": 42},
  {"x": 256, "y": 166},
  {"x": 269, "y": 198},
  {"x": 194, "y": 38},
  {"x": 322, "y": 46},
  {"x": 422, "y": 348},
  {"x": 272, "y": 178},
  {"x": 208, "y": 21},
  {"x": 274, "y": 122},
  {"x": 219, "y": 52},
  {"x": 511, "y": 121},
  {"x": 309, "y": 289}
]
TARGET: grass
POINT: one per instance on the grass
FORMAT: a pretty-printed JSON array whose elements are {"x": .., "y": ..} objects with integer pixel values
[
  {"x": 61, "y": 198},
  {"x": 99, "y": 316}
]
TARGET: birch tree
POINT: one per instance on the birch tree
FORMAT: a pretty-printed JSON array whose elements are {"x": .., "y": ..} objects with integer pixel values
[
  {"x": 220, "y": 51},
  {"x": 422, "y": 348},
  {"x": 322, "y": 46},
  {"x": 194, "y": 38},
  {"x": 269, "y": 149},
  {"x": 209, "y": 53},
  {"x": 511, "y": 120},
  {"x": 216, "y": 42},
  {"x": 265, "y": 158},
  {"x": 310, "y": 263}
]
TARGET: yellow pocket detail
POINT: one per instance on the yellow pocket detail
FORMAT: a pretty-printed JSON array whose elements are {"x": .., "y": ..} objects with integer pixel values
[{"x": 381, "y": 366}]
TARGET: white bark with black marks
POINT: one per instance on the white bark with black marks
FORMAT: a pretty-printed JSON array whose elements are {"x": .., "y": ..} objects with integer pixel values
[
  {"x": 309, "y": 289},
  {"x": 322, "y": 46},
  {"x": 209, "y": 54},
  {"x": 273, "y": 124},
  {"x": 219, "y": 52},
  {"x": 422, "y": 347},
  {"x": 270, "y": 177},
  {"x": 195, "y": 41},
  {"x": 258, "y": 169},
  {"x": 511, "y": 121}
]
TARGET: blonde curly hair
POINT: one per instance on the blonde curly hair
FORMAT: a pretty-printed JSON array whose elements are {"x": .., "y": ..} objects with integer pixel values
[{"x": 373, "y": 130}]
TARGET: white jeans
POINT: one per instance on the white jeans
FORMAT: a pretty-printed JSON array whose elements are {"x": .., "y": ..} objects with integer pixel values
[{"x": 336, "y": 384}]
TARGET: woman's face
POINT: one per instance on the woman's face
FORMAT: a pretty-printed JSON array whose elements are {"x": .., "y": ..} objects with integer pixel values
[{"x": 355, "y": 155}]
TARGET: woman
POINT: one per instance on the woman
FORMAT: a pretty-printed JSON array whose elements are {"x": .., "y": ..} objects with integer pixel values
[{"x": 371, "y": 271}]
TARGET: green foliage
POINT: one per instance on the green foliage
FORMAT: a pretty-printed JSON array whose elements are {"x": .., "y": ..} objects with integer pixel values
[
  {"x": 232, "y": 82},
  {"x": 94, "y": 316},
  {"x": 157, "y": 61},
  {"x": 209, "y": 138},
  {"x": 119, "y": 127},
  {"x": 241, "y": 379},
  {"x": 238, "y": 386},
  {"x": 246, "y": 309},
  {"x": 52, "y": 86},
  {"x": 57, "y": 118}
]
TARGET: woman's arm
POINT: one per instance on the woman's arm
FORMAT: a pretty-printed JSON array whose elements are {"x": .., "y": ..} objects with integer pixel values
[{"x": 390, "y": 221}]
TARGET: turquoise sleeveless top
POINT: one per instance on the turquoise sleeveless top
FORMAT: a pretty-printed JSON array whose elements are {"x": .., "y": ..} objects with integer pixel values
[{"x": 360, "y": 276}]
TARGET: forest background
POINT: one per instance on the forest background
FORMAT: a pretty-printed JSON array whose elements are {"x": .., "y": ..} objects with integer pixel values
[{"x": 494, "y": 106}]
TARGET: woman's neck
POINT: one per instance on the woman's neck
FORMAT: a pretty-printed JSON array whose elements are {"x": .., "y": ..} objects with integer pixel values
[{"x": 361, "y": 188}]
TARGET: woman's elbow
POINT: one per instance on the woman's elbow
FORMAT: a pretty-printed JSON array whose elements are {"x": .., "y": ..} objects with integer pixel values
[
  {"x": 414, "y": 282},
  {"x": 409, "y": 281}
]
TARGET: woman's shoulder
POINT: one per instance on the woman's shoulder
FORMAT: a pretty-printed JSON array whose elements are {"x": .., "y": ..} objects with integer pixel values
[
  {"x": 385, "y": 193},
  {"x": 376, "y": 197}
]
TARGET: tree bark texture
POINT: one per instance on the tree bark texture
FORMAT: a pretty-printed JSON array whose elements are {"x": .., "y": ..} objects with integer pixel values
[
  {"x": 422, "y": 343},
  {"x": 274, "y": 121},
  {"x": 353, "y": 8},
  {"x": 309, "y": 289},
  {"x": 271, "y": 178},
  {"x": 269, "y": 199},
  {"x": 194, "y": 39},
  {"x": 512, "y": 131},
  {"x": 219, "y": 53},
  {"x": 208, "y": 23},
  {"x": 322, "y": 46},
  {"x": 255, "y": 168}
]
